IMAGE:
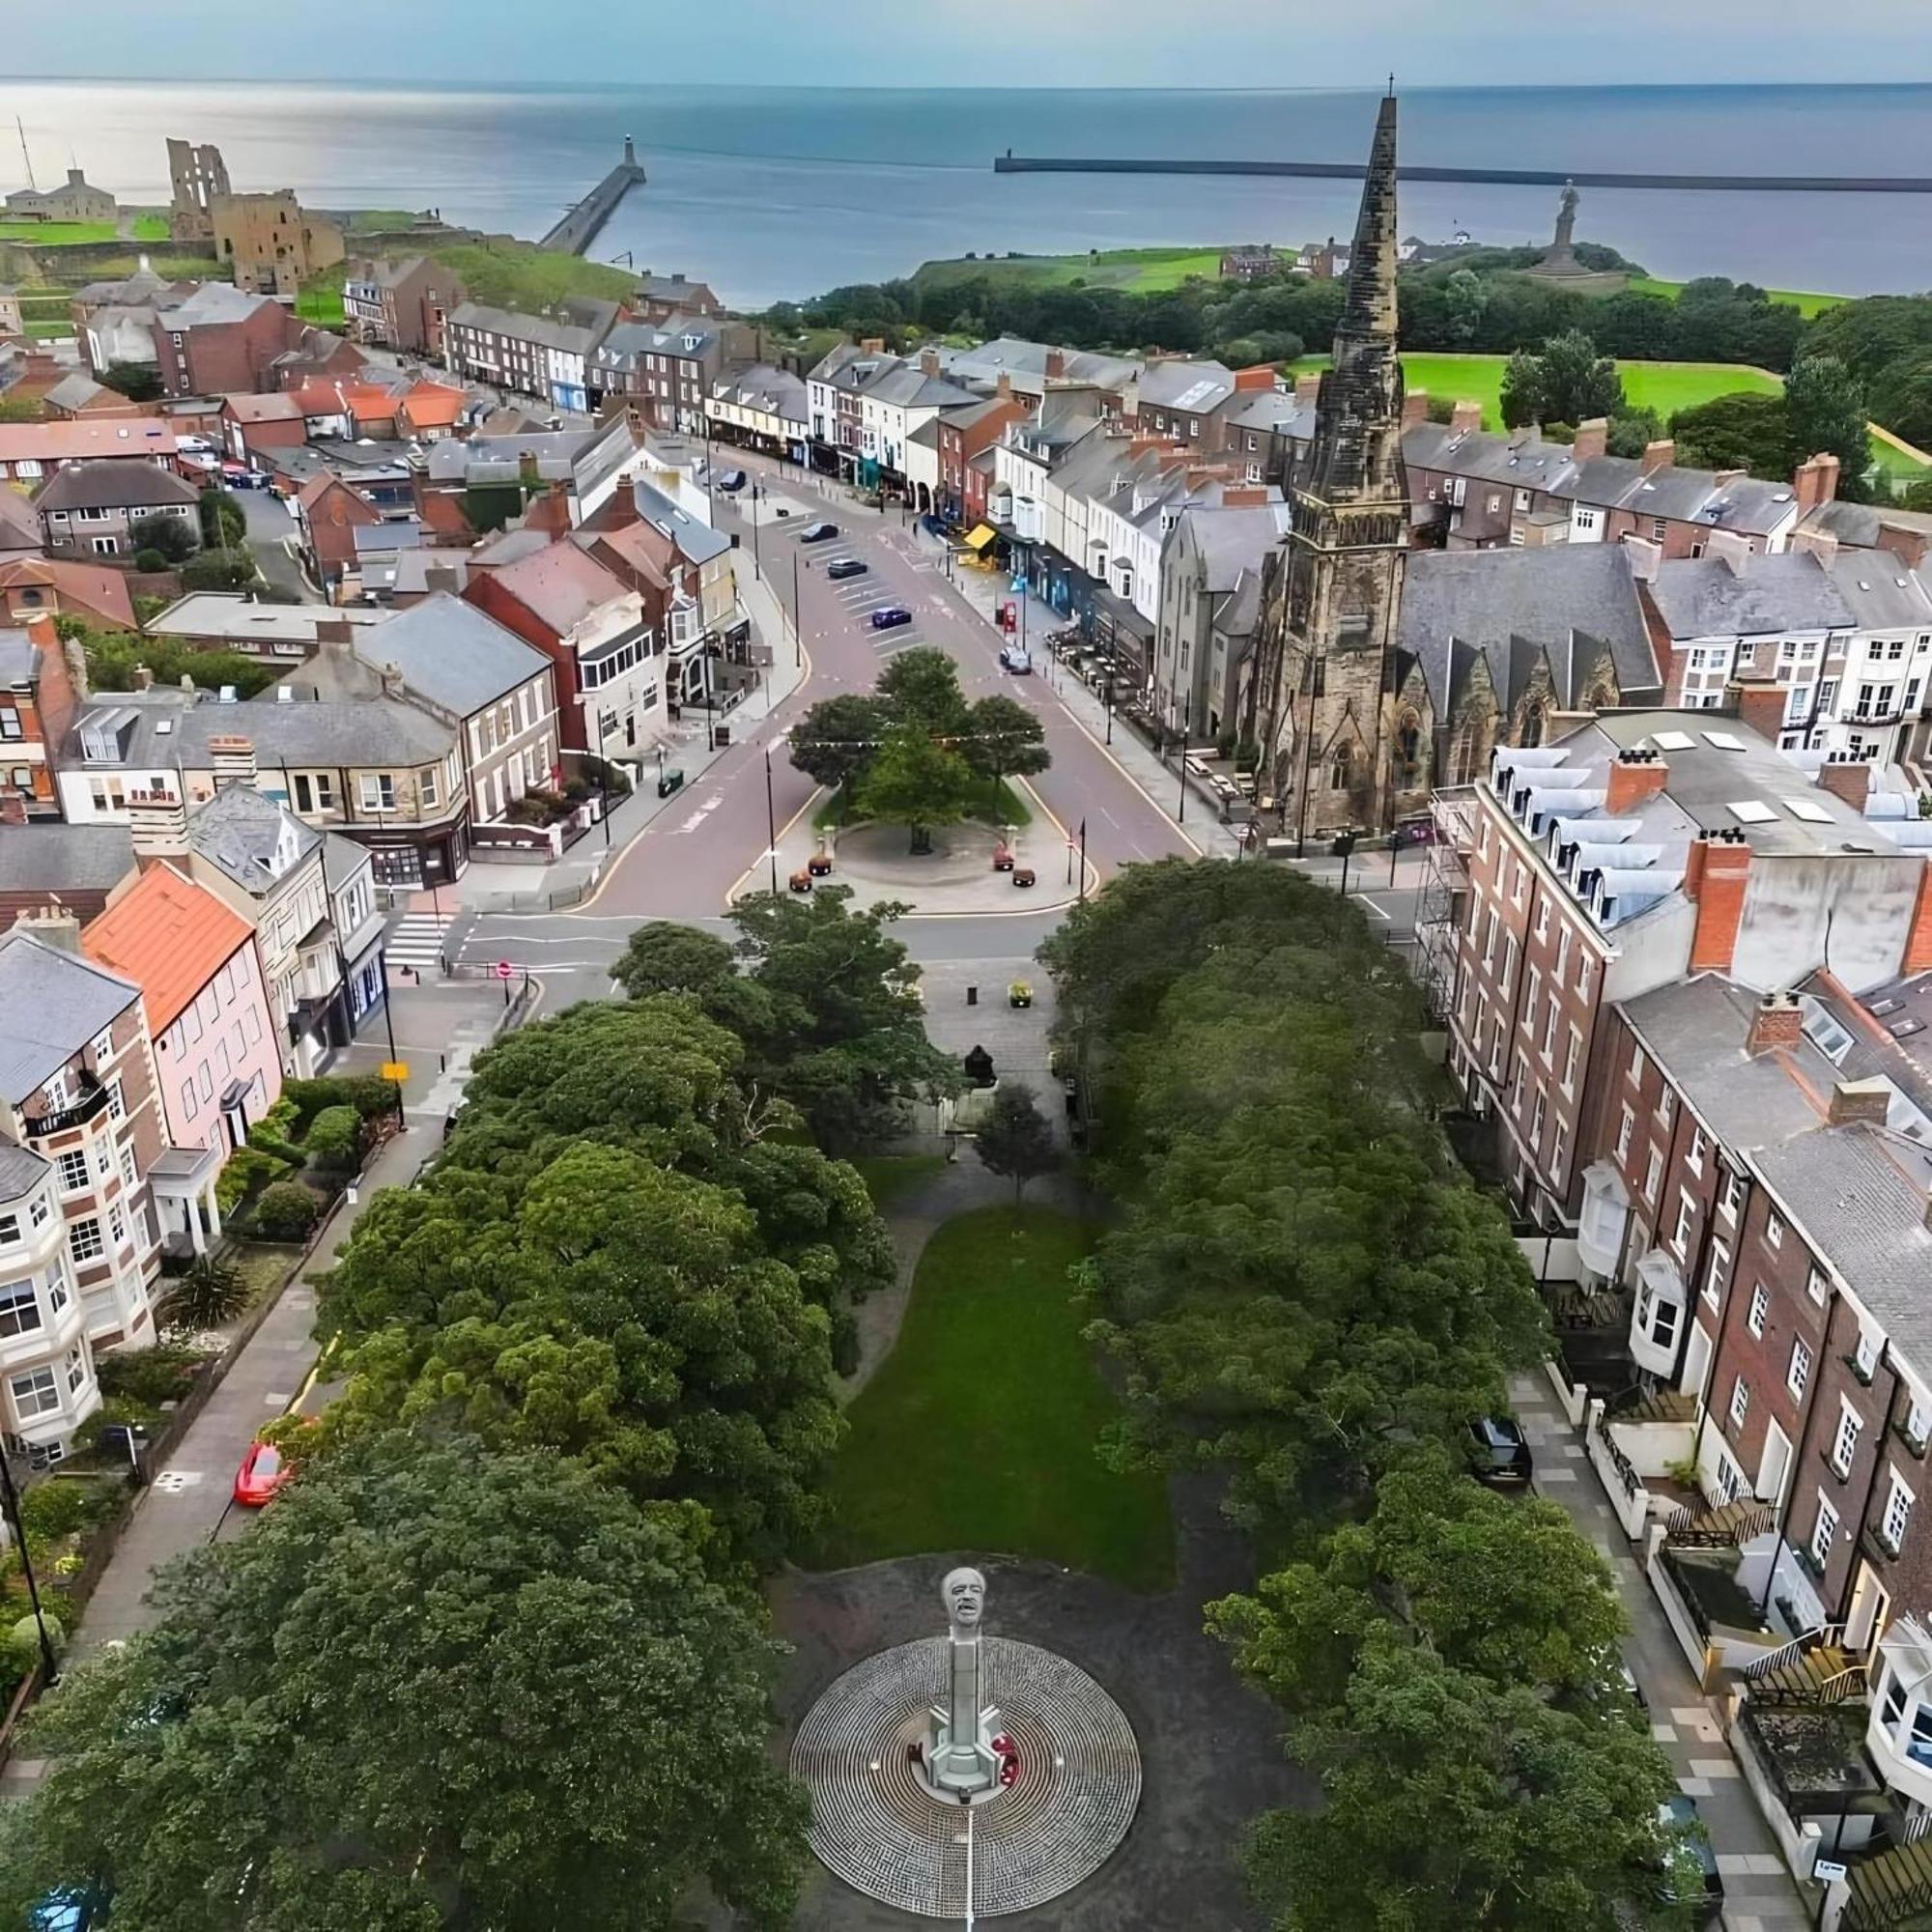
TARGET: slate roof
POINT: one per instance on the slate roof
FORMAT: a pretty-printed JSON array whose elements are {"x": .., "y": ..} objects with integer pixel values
[
  {"x": 775, "y": 391},
  {"x": 247, "y": 835},
  {"x": 697, "y": 542},
  {"x": 908, "y": 387},
  {"x": 114, "y": 486},
  {"x": 500, "y": 458},
  {"x": 20, "y": 1170},
  {"x": 452, "y": 653},
  {"x": 1199, "y": 388},
  {"x": 1859, "y": 525},
  {"x": 216, "y": 302},
  {"x": 1487, "y": 601},
  {"x": 75, "y": 390},
  {"x": 56, "y": 858},
  {"x": 19, "y": 527},
  {"x": 55, "y": 1002},
  {"x": 1706, "y": 597},
  {"x": 1234, "y": 541},
  {"x": 566, "y": 337},
  {"x": 1881, "y": 592}
]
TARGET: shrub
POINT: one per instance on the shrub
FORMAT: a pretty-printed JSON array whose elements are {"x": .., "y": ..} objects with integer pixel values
[
  {"x": 287, "y": 1211},
  {"x": 152, "y": 1376},
  {"x": 210, "y": 1292},
  {"x": 62, "y": 1506},
  {"x": 151, "y": 560},
  {"x": 368, "y": 1093},
  {"x": 219, "y": 570},
  {"x": 335, "y": 1137},
  {"x": 246, "y": 1169}
]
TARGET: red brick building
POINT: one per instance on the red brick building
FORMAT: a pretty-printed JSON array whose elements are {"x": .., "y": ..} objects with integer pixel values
[
  {"x": 221, "y": 341},
  {"x": 36, "y": 706},
  {"x": 964, "y": 433}
]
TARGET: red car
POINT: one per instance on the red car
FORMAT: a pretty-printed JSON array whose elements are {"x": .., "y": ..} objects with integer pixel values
[{"x": 262, "y": 1471}]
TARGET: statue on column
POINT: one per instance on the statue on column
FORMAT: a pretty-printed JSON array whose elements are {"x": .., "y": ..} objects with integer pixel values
[
  {"x": 966, "y": 1757},
  {"x": 1562, "y": 255}
]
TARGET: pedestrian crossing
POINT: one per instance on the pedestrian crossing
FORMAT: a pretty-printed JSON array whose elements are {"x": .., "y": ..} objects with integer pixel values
[{"x": 416, "y": 940}]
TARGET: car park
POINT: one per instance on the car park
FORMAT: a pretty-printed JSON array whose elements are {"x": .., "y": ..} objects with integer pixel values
[
  {"x": 1499, "y": 1453},
  {"x": 891, "y": 617},
  {"x": 818, "y": 533},
  {"x": 847, "y": 566}
]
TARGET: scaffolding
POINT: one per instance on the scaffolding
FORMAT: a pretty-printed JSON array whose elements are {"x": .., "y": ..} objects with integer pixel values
[{"x": 1444, "y": 902}]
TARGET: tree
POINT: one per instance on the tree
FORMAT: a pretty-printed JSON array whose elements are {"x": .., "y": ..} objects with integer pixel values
[
  {"x": 664, "y": 957},
  {"x": 1521, "y": 398},
  {"x": 219, "y": 570},
  {"x": 835, "y": 740},
  {"x": 174, "y": 538},
  {"x": 1902, "y": 397},
  {"x": 1576, "y": 383},
  {"x": 1466, "y": 297},
  {"x": 914, "y": 782},
  {"x": 1016, "y": 1138},
  {"x": 1739, "y": 430},
  {"x": 138, "y": 382},
  {"x": 920, "y": 689},
  {"x": 1632, "y": 432},
  {"x": 1004, "y": 738},
  {"x": 224, "y": 523},
  {"x": 433, "y": 1687},
  {"x": 1825, "y": 412}
]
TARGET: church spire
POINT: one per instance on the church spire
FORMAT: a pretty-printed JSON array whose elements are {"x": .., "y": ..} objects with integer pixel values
[{"x": 1376, "y": 251}]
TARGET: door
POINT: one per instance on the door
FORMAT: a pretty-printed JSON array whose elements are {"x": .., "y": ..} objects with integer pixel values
[
  {"x": 1696, "y": 1361},
  {"x": 1870, "y": 1611},
  {"x": 1775, "y": 1465}
]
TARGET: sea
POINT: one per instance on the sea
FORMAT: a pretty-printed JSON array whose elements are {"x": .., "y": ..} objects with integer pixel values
[{"x": 771, "y": 193}]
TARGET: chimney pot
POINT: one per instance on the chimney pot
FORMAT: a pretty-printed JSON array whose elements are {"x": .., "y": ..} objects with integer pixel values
[
  {"x": 1846, "y": 777},
  {"x": 1778, "y": 1022}
]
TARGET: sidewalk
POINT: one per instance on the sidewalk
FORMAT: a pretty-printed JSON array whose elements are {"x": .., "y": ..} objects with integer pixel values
[
  {"x": 499, "y": 887},
  {"x": 1760, "y": 1894},
  {"x": 985, "y": 591}
]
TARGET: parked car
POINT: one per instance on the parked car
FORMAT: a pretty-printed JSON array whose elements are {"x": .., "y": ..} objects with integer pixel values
[
  {"x": 195, "y": 443},
  {"x": 891, "y": 617},
  {"x": 1678, "y": 1815},
  {"x": 732, "y": 479},
  {"x": 848, "y": 566},
  {"x": 262, "y": 1471},
  {"x": 1499, "y": 1453},
  {"x": 1016, "y": 661},
  {"x": 818, "y": 533},
  {"x": 72, "y": 1908}
]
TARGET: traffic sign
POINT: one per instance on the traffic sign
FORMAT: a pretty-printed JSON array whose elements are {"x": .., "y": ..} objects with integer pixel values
[
  {"x": 504, "y": 969},
  {"x": 396, "y": 1070}
]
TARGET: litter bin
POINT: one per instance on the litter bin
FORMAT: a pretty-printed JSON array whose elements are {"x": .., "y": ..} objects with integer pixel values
[
  {"x": 720, "y": 736},
  {"x": 670, "y": 782}
]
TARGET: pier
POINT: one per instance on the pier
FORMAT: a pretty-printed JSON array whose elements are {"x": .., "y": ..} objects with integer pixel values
[
  {"x": 1010, "y": 163},
  {"x": 578, "y": 229}
]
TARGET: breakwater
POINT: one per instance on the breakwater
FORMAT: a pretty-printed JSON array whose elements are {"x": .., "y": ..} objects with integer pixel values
[
  {"x": 578, "y": 229},
  {"x": 1074, "y": 164}
]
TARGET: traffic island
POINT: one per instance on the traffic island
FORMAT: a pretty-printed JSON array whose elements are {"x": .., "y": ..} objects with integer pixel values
[{"x": 967, "y": 870}]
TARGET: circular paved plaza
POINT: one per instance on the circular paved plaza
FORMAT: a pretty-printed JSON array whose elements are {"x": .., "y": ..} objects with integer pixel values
[{"x": 876, "y": 1827}]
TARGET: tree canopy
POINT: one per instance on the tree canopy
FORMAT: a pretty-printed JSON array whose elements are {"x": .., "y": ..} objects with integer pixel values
[
  {"x": 1017, "y": 1139},
  {"x": 823, "y": 999},
  {"x": 1569, "y": 382},
  {"x": 433, "y": 1687}
]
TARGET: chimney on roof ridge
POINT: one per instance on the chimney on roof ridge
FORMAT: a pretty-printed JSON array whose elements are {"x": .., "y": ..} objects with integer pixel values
[
  {"x": 1592, "y": 440},
  {"x": 1777, "y": 1022},
  {"x": 928, "y": 361},
  {"x": 1466, "y": 415},
  {"x": 1722, "y": 479},
  {"x": 1846, "y": 775},
  {"x": 1866, "y": 1100},
  {"x": 1760, "y": 707},
  {"x": 1414, "y": 408},
  {"x": 1307, "y": 388},
  {"x": 1732, "y": 548},
  {"x": 144, "y": 678},
  {"x": 1908, "y": 545},
  {"x": 1644, "y": 557},
  {"x": 1636, "y": 776},
  {"x": 1816, "y": 481},
  {"x": 1717, "y": 874},
  {"x": 1056, "y": 364},
  {"x": 1659, "y": 455},
  {"x": 1820, "y": 543},
  {"x": 55, "y": 926}
]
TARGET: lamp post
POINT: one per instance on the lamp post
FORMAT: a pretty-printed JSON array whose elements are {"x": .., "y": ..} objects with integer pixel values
[
  {"x": 758, "y": 562},
  {"x": 797, "y": 614},
  {"x": 771, "y": 817},
  {"x": 1181, "y": 764}
]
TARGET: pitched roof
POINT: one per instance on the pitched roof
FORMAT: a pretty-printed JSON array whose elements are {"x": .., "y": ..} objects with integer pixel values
[
  {"x": 126, "y": 436},
  {"x": 170, "y": 937},
  {"x": 518, "y": 328},
  {"x": 101, "y": 593},
  {"x": 697, "y": 542},
  {"x": 19, "y": 527},
  {"x": 559, "y": 586},
  {"x": 1709, "y": 597},
  {"x": 280, "y": 407},
  {"x": 213, "y": 303},
  {"x": 76, "y": 390},
  {"x": 454, "y": 654},
  {"x": 55, "y": 1002},
  {"x": 433, "y": 405},
  {"x": 56, "y": 858},
  {"x": 246, "y": 834},
  {"x": 114, "y": 486}
]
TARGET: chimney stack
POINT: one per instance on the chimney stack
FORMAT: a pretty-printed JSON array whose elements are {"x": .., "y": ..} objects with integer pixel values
[
  {"x": 232, "y": 758},
  {"x": 1778, "y": 1022},
  {"x": 1919, "y": 935},
  {"x": 1816, "y": 481},
  {"x": 54, "y": 927},
  {"x": 928, "y": 361},
  {"x": 1636, "y": 776},
  {"x": 1307, "y": 388},
  {"x": 157, "y": 825},
  {"x": 1593, "y": 440},
  {"x": 1908, "y": 545},
  {"x": 335, "y": 633},
  {"x": 1466, "y": 415},
  {"x": 1644, "y": 557},
  {"x": 1659, "y": 455},
  {"x": 1820, "y": 544},
  {"x": 13, "y": 808},
  {"x": 1715, "y": 879},
  {"x": 1761, "y": 707},
  {"x": 1056, "y": 364},
  {"x": 1732, "y": 548},
  {"x": 1414, "y": 408},
  {"x": 1846, "y": 775},
  {"x": 144, "y": 678},
  {"x": 1866, "y": 1100}
]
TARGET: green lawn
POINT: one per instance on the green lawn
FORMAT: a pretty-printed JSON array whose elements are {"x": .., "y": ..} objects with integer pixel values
[
  {"x": 978, "y": 1432},
  {"x": 889, "y": 1177},
  {"x": 151, "y": 228},
  {"x": 1807, "y": 301},
  {"x": 319, "y": 300},
  {"x": 56, "y": 234},
  {"x": 527, "y": 277},
  {"x": 381, "y": 217},
  {"x": 1146, "y": 271}
]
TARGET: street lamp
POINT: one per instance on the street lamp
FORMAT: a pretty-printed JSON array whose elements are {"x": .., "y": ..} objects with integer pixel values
[
  {"x": 771, "y": 816},
  {"x": 1181, "y": 762}
]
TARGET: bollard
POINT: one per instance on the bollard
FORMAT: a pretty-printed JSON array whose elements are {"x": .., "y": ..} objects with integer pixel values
[{"x": 972, "y": 996}]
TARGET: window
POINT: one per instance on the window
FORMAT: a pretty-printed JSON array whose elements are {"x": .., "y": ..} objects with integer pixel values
[
  {"x": 1714, "y": 1274},
  {"x": 426, "y": 792},
  {"x": 1800, "y": 1371},
  {"x": 85, "y": 1237},
  {"x": 1918, "y": 1423},
  {"x": 1897, "y": 1515},
  {"x": 57, "y": 1295},
  {"x": 1657, "y": 1320},
  {"x": 1774, "y": 1231},
  {"x": 1864, "y": 1358},
  {"x": 77, "y": 1369},
  {"x": 1760, "y": 1306},
  {"x": 117, "y": 1223},
  {"x": 1740, "y": 1402},
  {"x": 1687, "y": 1212},
  {"x": 1823, "y": 1531},
  {"x": 117, "y": 1100},
  {"x": 1636, "y": 1065},
  {"x": 1814, "y": 1286},
  {"x": 379, "y": 791},
  {"x": 1694, "y": 1155},
  {"x": 1562, "y": 956},
  {"x": 1846, "y": 1441},
  {"x": 19, "y": 1309},
  {"x": 1624, "y": 1128},
  {"x": 1653, "y": 1176},
  {"x": 1666, "y": 1107},
  {"x": 1573, "y": 1053},
  {"x": 73, "y": 1171},
  {"x": 1730, "y": 1195},
  {"x": 1586, "y": 975},
  {"x": 35, "y": 1394},
  {"x": 1549, "y": 1029},
  {"x": 128, "y": 1172}
]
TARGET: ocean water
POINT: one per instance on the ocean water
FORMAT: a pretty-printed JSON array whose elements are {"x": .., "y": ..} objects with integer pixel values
[{"x": 783, "y": 193}]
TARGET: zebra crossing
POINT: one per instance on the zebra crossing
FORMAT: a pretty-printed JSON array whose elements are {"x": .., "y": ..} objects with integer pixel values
[{"x": 416, "y": 940}]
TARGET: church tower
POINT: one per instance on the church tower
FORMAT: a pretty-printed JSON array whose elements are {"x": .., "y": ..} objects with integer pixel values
[{"x": 1323, "y": 684}]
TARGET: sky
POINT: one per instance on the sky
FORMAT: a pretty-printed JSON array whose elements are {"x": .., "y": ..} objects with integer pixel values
[{"x": 981, "y": 43}]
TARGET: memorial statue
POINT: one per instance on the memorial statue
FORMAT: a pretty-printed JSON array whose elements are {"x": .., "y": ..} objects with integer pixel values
[
  {"x": 1561, "y": 259},
  {"x": 966, "y": 1757}
]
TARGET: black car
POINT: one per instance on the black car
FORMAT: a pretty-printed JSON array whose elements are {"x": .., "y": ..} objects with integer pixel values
[
  {"x": 1498, "y": 1453},
  {"x": 818, "y": 533},
  {"x": 732, "y": 479},
  {"x": 891, "y": 617},
  {"x": 1679, "y": 1818},
  {"x": 848, "y": 566}
]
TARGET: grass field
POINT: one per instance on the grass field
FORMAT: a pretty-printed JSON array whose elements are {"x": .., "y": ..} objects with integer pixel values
[
  {"x": 1807, "y": 301},
  {"x": 1144, "y": 270},
  {"x": 991, "y": 1356},
  {"x": 319, "y": 300},
  {"x": 891, "y": 1176},
  {"x": 529, "y": 278},
  {"x": 381, "y": 218},
  {"x": 67, "y": 234}
]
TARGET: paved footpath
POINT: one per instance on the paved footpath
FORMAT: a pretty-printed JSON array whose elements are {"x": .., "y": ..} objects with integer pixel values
[{"x": 1760, "y": 1895}]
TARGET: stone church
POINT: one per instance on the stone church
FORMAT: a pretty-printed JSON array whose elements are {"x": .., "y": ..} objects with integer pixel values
[{"x": 1381, "y": 671}]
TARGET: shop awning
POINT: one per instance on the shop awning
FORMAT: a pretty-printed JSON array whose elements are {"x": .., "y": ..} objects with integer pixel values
[{"x": 980, "y": 536}]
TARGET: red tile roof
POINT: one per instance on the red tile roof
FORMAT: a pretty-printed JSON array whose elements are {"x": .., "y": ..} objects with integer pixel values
[
  {"x": 170, "y": 937},
  {"x": 433, "y": 405},
  {"x": 91, "y": 591},
  {"x": 74, "y": 441}
]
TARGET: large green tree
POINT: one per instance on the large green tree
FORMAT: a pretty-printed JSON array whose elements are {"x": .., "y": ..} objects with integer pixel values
[
  {"x": 1740, "y": 431},
  {"x": 1004, "y": 738},
  {"x": 917, "y": 782},
  {"x": 1569, "y": 382},
  {"x": 433, "y": 1688},
  {"x": 1825, "y": 413},
  {"x": 834, "y": 741}
]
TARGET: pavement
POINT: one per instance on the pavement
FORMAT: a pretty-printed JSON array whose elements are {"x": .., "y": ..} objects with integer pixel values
[{"x": 1760, "y": 1894}]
